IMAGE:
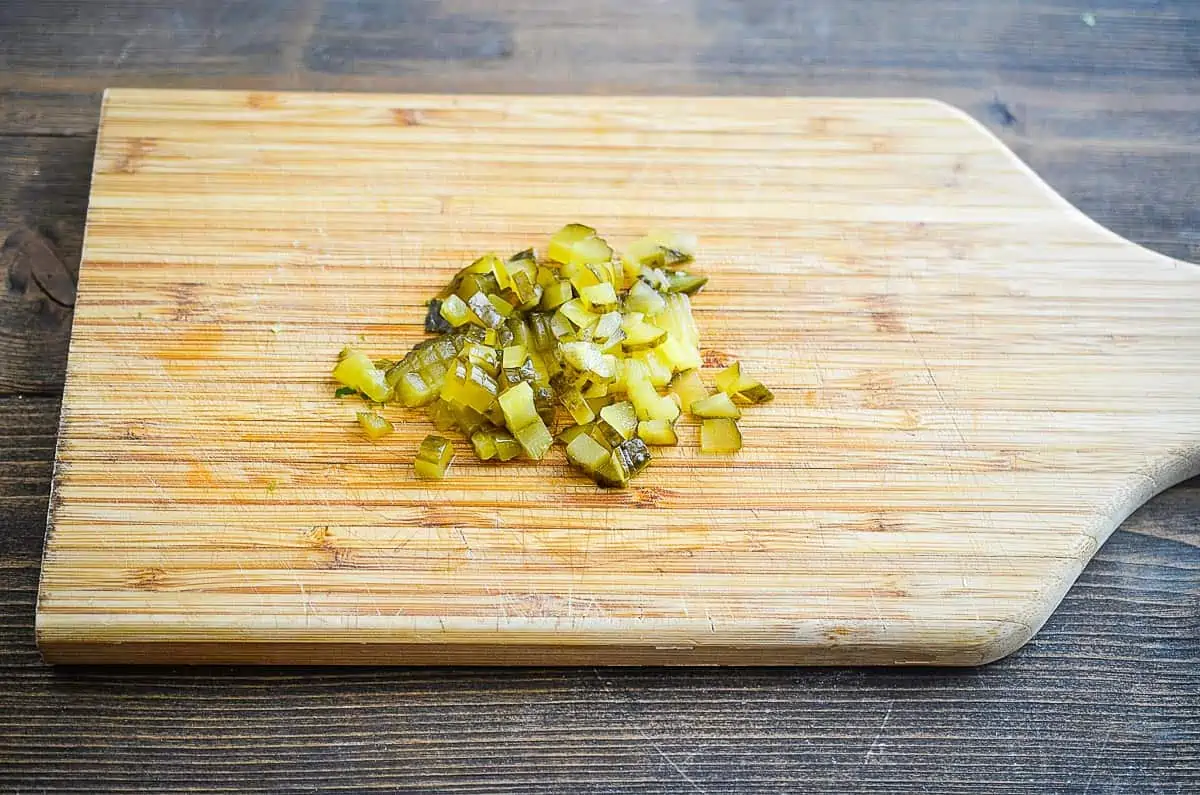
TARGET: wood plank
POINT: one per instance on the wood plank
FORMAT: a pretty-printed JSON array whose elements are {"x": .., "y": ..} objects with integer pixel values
[
  {"x": 993, "y": 452},
  {"x": 43, "y": 198}
]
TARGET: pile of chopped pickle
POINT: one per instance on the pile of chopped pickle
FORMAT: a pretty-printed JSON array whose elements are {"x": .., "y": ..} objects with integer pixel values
[{"x": 586, "y": 329}]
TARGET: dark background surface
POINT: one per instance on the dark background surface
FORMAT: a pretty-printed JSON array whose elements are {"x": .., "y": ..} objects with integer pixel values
[{"x": 1102, "y": 98}]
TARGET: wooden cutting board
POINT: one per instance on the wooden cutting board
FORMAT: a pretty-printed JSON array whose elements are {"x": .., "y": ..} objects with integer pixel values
[{"x": 975, "y": 385}]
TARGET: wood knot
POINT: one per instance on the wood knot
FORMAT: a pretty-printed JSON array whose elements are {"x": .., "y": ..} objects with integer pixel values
[
  {"x": 878, "y": 389},
  {"x": 882, "y": 524},
  {"x": 201, "y": 477},
  {"x": 836, "y": 634},
  {"x": 649, "y": 496},
  {"x": 187, "y": 301},
  {"x": 712, "y": 358},
  {"x": 320, "y": 538},
  {"x": 135, "y": 154},
  {"x": 819, "y": 125},
  {"x": 406, "y": 117},
  {"x": 453, "y": 516},
  {"x": 884, "y": 316},
  {"x": 262, "y": 101},
  {"x": 34, "y": 269},
  {"x": 151, "y": 578},
  {"x": 330, "y": 555}
]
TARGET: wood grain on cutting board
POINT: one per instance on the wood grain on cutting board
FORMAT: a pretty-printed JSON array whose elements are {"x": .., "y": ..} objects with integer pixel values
[{"x": 975, "y": 384}]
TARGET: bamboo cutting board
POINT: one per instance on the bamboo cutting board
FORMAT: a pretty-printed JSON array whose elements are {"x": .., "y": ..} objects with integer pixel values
[{"x": 975, "y": 384}]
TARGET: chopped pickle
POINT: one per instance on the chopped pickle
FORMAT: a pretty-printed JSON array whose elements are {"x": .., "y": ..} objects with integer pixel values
[
  {"x": 720, "y": 435},
  {"x": 613, "y": 343},
  {"x": 640, "y": 335},
  {"x": 684, "y": 282},
  {"x": 485, "y": 264},
  {"x": 580, "y": 276},
  {"x": 597, "y": 389},
  {"x": 587, "y": 358},
  {"x": 657, "y": 366},
  {"x": 644, "y": 253},
  {"x": 556, "y": 294},
  {"x": 577, "y": 406},
  {"x": 472, "y": 283},
  {"x": 442, "y": 415},
  {"x": 413, "y": 390},
  {"x": 373, "y": 425},
  {"x": 482, "y": 355},
  {"x": 535, "y": 439},
  {"x": 657, "y": 432},
  {"x": 679, "y": 355},
  {"x": 681, "y": 244},
  {"x": 598, "y": 403},
  {"x": 433, "y": 457},
  {"x": 518, "y": 407},
  {"x": 656, "y": 278},
  {"x": 591, "y": 251},
  {"x": 485, "y": 445},
  {"x": 504, "y": 308},
  {"x": 526, "y": 255},
  {"x": 455, "y": 311},
  {"x": 608, "y": 325},
  {"x": 597, "y": 332},
  {"x": 633, "y": 454},
  {"x": 485, "y": 311},
  {"x": 469, "y": 385},
  {"x": 539, "y": 329},
  {"x": 576, "y": 312},
  {"x": 649, "y": 404},
  {"x": 514, "y": 356},
  {"x": 599, "y": 297},
  {"x": 560, "y": 325},
  {"x": 500, "y": 271},
  {"x": 645, "y": 299},
  {"x": 688, "y": 386},
  {"x": 434, "y": 322},
  {"x": 715, "y": 406},
  {"x": 520, "y": 332},
  {"x": 756, "y": 393},
  {"x": 626, "y": 460},
  {"x": 733, "y": 382},
  {"x": 357, "y": 371},
  {"x": 568, "y": 434},
  {"x": 467, "y": 419},
  {"x": 621, "y": 417},
  {"x": 727, "y": 379},
  {"x": 507, "y": 446},
  {"x": 586, "y": 453},
  {"x": 677, "y": 319},
  {"x": 528, "y": 294},
  {"x": 544, "y": 400},
  {"x": 511, "y": 376},
  {"x": 563, "y": 241}
]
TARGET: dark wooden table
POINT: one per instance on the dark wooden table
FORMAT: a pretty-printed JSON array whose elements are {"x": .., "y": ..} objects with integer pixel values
[{"x": 1101, "y": 98}]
